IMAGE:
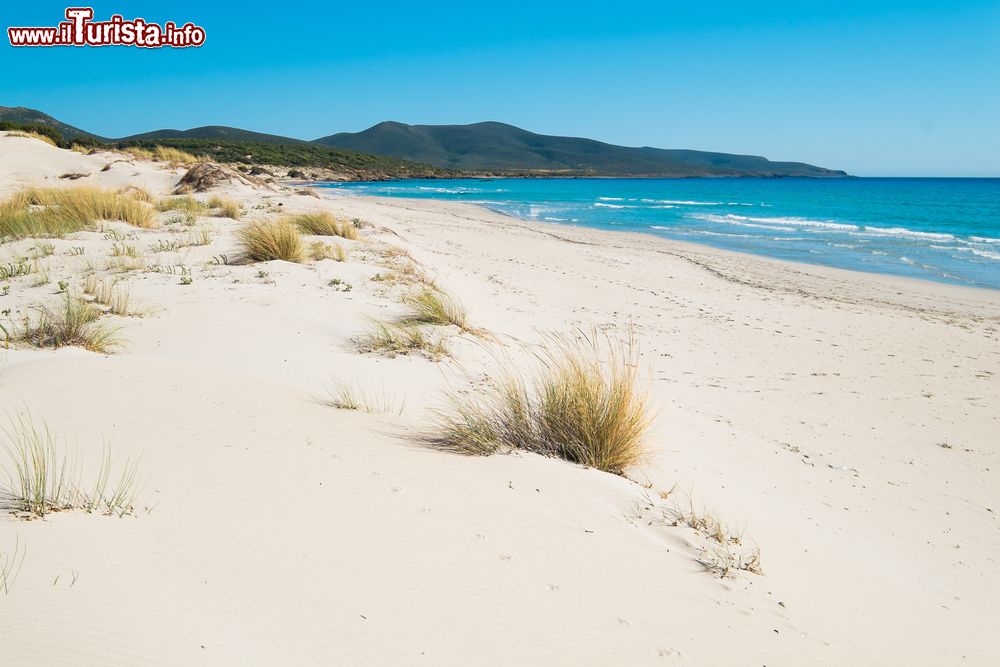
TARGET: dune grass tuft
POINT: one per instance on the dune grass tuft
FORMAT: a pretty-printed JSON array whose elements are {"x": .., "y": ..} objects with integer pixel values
[
  {"x": 32, "y": 135},
  {"x": 263, "y": 241},
  {"x": 175, "y": 155},
  {"x": 111, "y": 294},
  {"x": 393, "y": 339},
  {"x": 74, "y": 324},
  {"x": 41, "y": 478},
  {"x": 584, "y": 405},
  {"x": 319, "y": 250},
  {"x": 137, "y": 192},
  {"x": 225, "y": 207},
  {"x": 324, "y": 224},
  {"x": 53, "y": 212},
  {"x": 185, "y": 203},
  {"x": 438, "y": 308},
  {"x": 349, "y": 396}
]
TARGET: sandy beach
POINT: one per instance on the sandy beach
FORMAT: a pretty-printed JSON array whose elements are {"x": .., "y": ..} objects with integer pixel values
[{"x": 845, "y": 424}]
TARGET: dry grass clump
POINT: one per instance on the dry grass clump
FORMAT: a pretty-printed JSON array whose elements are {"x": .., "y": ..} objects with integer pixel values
[
  {"x": 225, "y": 207},
  {"x": 82, "y": 150},
  {"x": 175, "y": 155},
  {"x": 436, "y": 307},
  {"x": 584, "y": 404},
  {"x": 393, "y": 339},
  {"x": 728, "y": 554},
  {"x": 137, "y": 152},
  {"x": 349, "y": 396},
  {"x": 324, "y": 224},
  {"x": 137, "y": 192},
  {"x": 319, "y": 250},
  {"x": 74, "y": 324},
  {"x": 32, "y": 135},
  {"x": 111, "y": 294},
  {"x": 42, "y": 479},
  {"x": 262, "y": 241},
  {"x": 185, "y": 203},
  {"x": 56, "y": 212}
]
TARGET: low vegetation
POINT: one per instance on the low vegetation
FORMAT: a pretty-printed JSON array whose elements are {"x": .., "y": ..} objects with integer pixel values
[
  {"x": 53, "y": 212},
  {"x": 185, "y": 203},
  {"x": 33, "y": 135},
  {"x": 319, "y": 250},
  {"x": 324, "y": 224},
  {"x": 349, "y": 396},
  {"x": 438, "y": 308},
  {"x": 74, "y": 324},
  {"x": 10, "y": 567},
  {"x": 225, "y": 207},
  {"x": 727, "y": 552},
  {"x": 112, "y": 294},
  {"x": 43, "y": 479},
  {"x": 394, "y": 339},
  {"x": 584, "y": 405},
  {"x": 262, "y": 241}
]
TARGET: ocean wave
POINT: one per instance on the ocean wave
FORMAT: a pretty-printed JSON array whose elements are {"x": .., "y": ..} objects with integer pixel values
[
  {"x": 909, "y": 233},
  {"x": 682, "y": 202},
  {"x": 986, "y": 253},
  {"x": 611, "y": 199},
  {"x": 983, "y": 239},
  {"x": 743, "y": 220}
]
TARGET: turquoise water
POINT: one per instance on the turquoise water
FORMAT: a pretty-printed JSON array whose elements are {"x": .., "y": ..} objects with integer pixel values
[{"x": 936, "y": 229}]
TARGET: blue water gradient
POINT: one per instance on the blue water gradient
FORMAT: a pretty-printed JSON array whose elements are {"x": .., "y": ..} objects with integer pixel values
[{"x": 944, "y": 229}]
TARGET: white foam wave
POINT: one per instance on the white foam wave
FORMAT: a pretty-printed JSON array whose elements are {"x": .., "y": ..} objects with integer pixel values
[{"x": 988, "y": 254}]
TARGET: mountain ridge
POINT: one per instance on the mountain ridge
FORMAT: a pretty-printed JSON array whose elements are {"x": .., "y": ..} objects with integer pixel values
[{"x": 483, "y": 148}]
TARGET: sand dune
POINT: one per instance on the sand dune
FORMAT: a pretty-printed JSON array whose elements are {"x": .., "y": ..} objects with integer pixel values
[{"x": 846, "y": 423}]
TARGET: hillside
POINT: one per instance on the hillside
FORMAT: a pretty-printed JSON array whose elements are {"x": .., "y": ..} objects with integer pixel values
[
  {"x": 301, "y": 156},
  {"x": 499, "y": 147},
  {"x": 214, "y": 132},
  {"x": 397, "y": 150},
  {"x": 26, "y": 116}
]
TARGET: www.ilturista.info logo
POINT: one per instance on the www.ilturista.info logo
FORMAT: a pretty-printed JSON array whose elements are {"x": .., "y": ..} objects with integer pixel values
[{"x": 79, "y": 29}]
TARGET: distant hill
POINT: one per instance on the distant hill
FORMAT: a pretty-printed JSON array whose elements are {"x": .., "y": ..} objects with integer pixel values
[
  {"x": 32, "y": 117},
  {"x": 219, "y": 132},
  {"x": 498, "y": 147},
  {"x": 393, "y": 149}
]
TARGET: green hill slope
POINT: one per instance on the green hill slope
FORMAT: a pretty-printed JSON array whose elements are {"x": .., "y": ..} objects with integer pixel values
[{"x": 499, "y": 147}]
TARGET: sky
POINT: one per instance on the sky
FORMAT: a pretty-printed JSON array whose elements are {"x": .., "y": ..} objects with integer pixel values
[{"x": 876, "y": 88}]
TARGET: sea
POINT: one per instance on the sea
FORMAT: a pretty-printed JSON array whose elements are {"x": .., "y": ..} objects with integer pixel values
[{"x": 941, "y": 229}]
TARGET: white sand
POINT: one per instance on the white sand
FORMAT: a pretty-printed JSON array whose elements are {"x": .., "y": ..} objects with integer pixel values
[{"x": 806, "y": 405}]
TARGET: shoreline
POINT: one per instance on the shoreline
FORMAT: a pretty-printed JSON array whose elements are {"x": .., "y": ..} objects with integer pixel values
[
  {"x": 939, "y": 275},
  {"x": 688, "y": 249}
]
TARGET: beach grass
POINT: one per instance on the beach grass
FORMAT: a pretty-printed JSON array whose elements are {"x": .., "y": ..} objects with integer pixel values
[
  {"x": 184, "y": 203},
  {"x": 399, "y": 339},
  {"x": 319, "y": 250},
  {"x": 41, "y": 477},
  {"x": 32, "y": 135},
  {"x": 436, "y": 307},
  {"x": 324, "y": 224},
  {"x": 225, "y": 207},
  {"x": 175, "y": 155},
  {"x": 54, "y": 212},
  {"x": 345, "y": 395},
  {"x": 74, "y": 324},
  {"x": 263, "y": 241},
  {"x": 584, "y": 404}
]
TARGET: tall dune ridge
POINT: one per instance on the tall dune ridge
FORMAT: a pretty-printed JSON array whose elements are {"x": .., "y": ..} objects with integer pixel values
[{"x": 792, "y": 463}]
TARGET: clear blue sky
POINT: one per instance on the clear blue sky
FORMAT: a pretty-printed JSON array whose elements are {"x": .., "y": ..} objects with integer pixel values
[{"x": 876, "y": 88}]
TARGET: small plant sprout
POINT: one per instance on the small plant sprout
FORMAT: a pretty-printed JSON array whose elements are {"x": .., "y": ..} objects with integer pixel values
[{"x": 186, "y": 280}]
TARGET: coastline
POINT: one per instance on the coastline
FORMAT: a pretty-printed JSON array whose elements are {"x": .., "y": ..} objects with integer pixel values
[{"x": 844, "y": 422}]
